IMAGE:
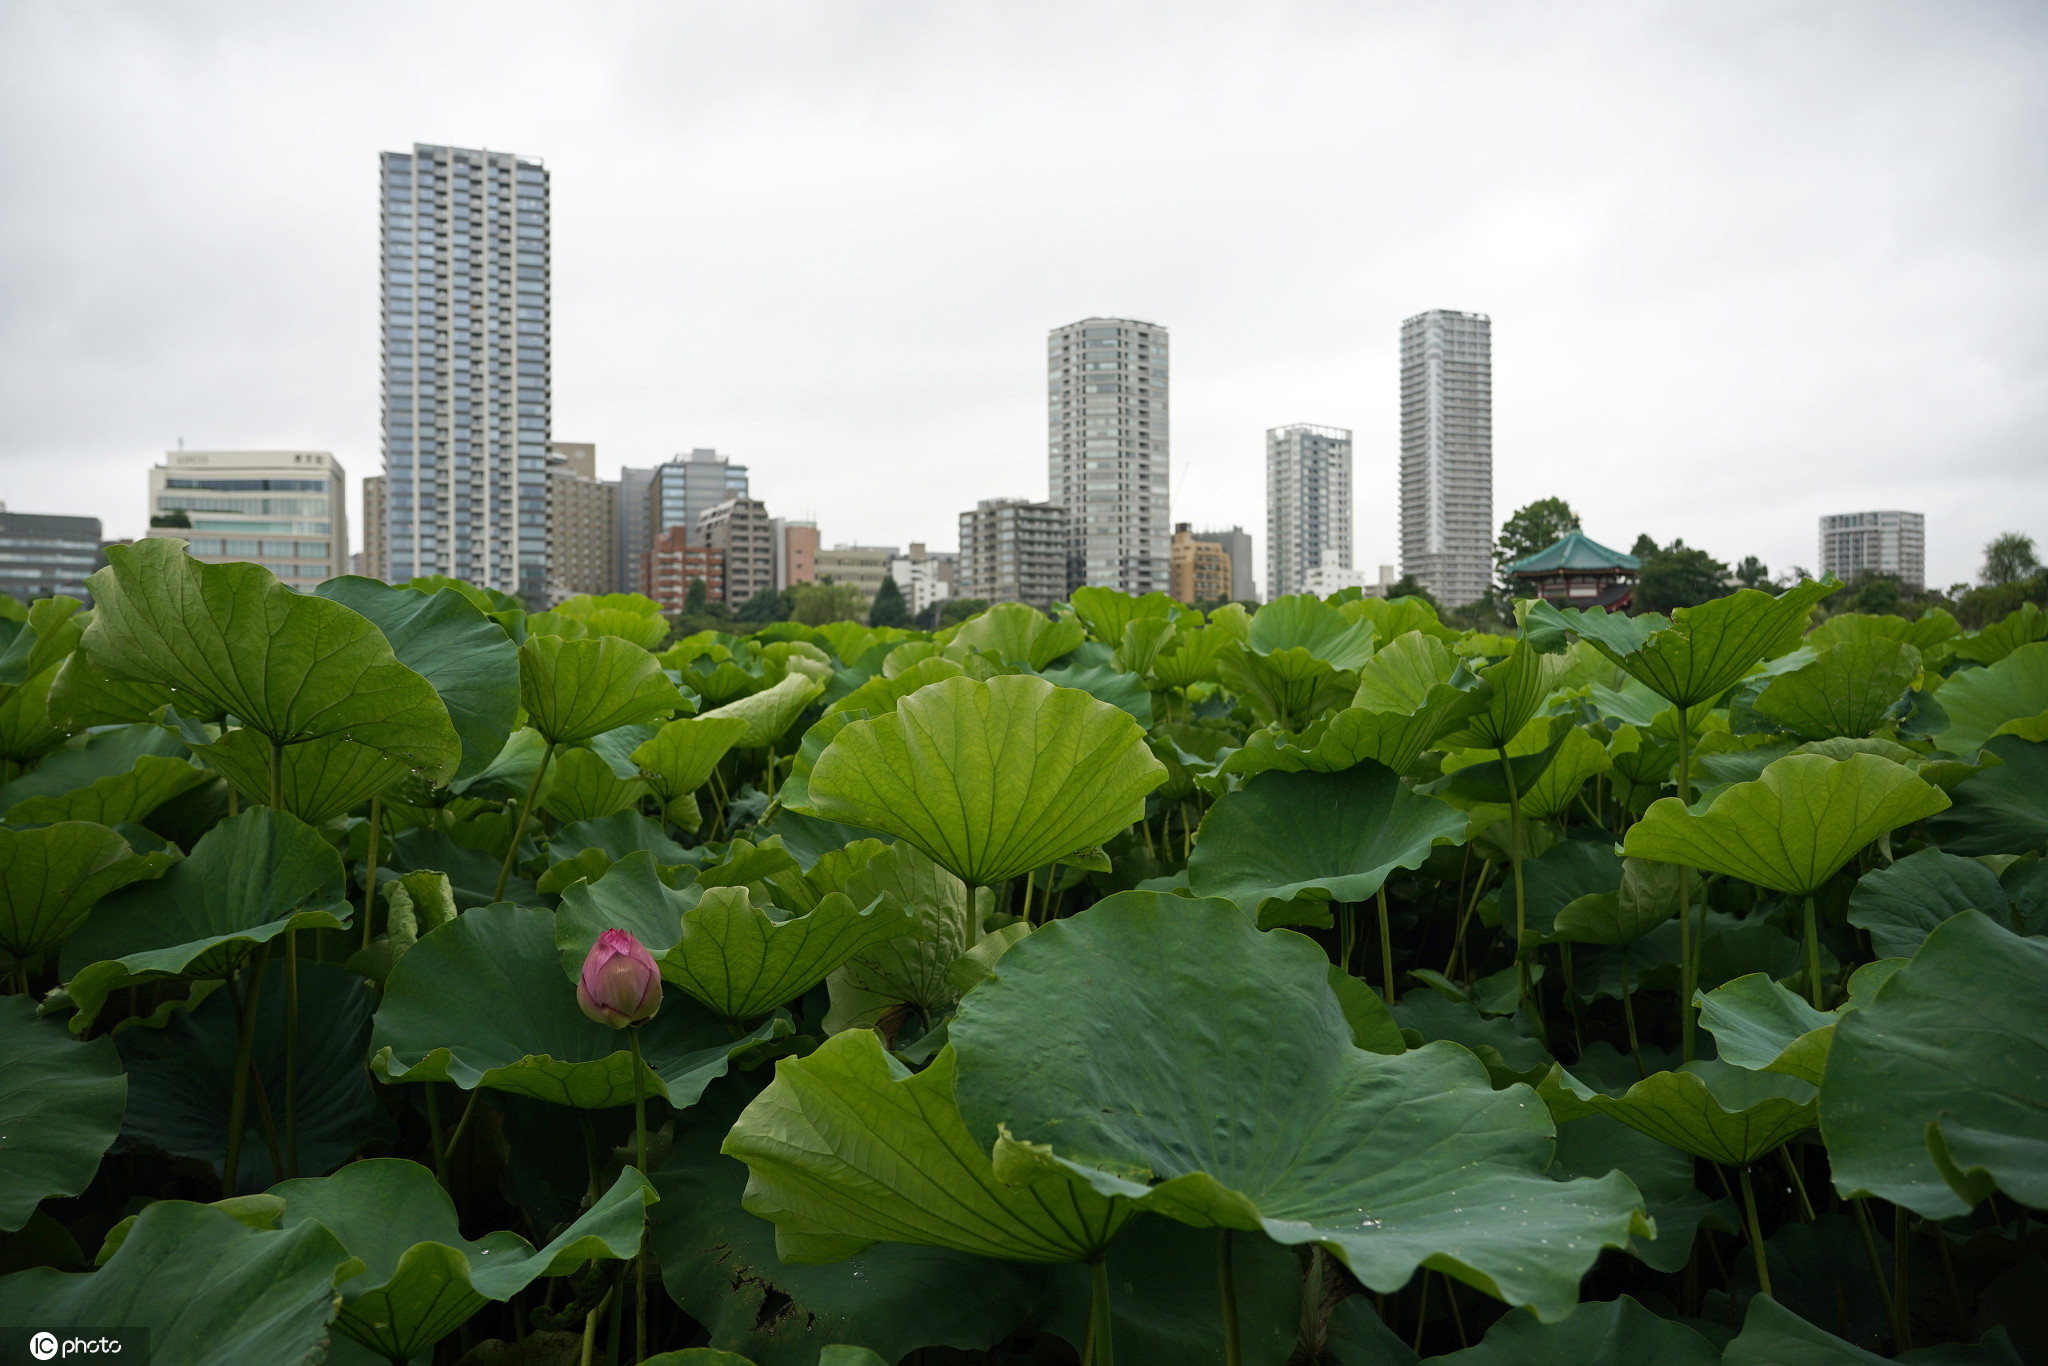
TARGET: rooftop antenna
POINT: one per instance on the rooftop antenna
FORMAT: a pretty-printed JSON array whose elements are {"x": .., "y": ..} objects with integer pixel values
[{"x": 181, "y": 443}]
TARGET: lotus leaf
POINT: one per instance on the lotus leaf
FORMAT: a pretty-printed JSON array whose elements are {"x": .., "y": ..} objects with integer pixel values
[
  {"x": 1090, "y": 670},
  {"x": 81, "y": 695},
  {"x": 482, "y": 1001},
  {"x": 1184, "y": 1100},
  {"x": 1847, "y": 690},
  {"x": 1762, "y": 1026},
  {"x": 1107, "y": 612},
  {"x": 1935, "y": 1089},
  {"x": 446, "y": 639},
  {"x": 119, "y": 797},
  {"x": 1700, "y": 652},
  {"x": 1515, "y": 688},
  {"x": 1899, "y": 905},
  {"x": 1288, "y": 688},
  {"x": 249, "y": 879},
  {"x": 1304, "y": 621},
  {"x": 576, "y": 689},
  {"x": 1792, "y": 829},
  {"x": 847, "y": 1147},
  {"x": 881, "y": 693},
  {"x": 1551, "y": 759},
  {"x": 320, "y": 779},
  {"x": 1142, "y": 641},
  {"x": 911, "y": 970},
  {"x": 182, "y": 1076},
  {"x": 1710, "y": 1109},
  {"x": 106, "y": 753},
  {"x": 1565, "y": 873},
  {"x": 583, "y": 787},
  {"x": 290, "y": 666},
  {"x": 1017, "y": 634},
  {"x": 51, "y": 878},
  {"x": 1190, "y": 656},
  {"x": 990, "y": 779},
  {"x": 1616, "y": 1333},
  {"x": 2022, "y": 626},
  {"x": 208, "y": 1287},
  {"x": 1597, "y": 1145},
  {"x": 60, "y": 1109},
  {"x": 2004, "y": 808},
  {"x": 1393, "y": 617},
  {"x": 420, "y": 1278},
  {"x": 770, "y": 712},
  {"x": 1926, "y": 633},
  {"x": 1981, "y": 702},
  {"x": 1326, "y": 836}
]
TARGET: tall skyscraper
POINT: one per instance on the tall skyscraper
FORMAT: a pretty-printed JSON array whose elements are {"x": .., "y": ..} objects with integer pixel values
[
  {"x": 1106, "y": 386},
  {"x": 285, "y": 510},
  {"x": 466, "y": 367},
  {"x": 1308, "y": 504},
  {"x": 1447, "y": 453},
  {"x": 676, "y": 493},
  {"x": 583, "y": 523},
  {"x": 1853, "y": 544}
]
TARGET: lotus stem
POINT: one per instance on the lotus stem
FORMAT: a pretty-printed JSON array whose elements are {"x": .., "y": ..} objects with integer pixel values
[
  {"x": 1798, "y": 1181},
  {"x": 370, "y": 874},
  {"x": 1813, "y": 955},
  {"x": 590, "y": 1326},
  {"x": 519, "y": 826},
  {"x": 238, "y": 1103},
  {"x": 1522, "y": 982},
  {"x": 1901, "y": 1274},
  {"x": 1421, "y": 1310},
  {"x": 1465, "y": 916},
  {"x": 291, "y": 1052},
  {"x": 1628, "y": 1013},
  {"x": 1687, "y": 956},
  {"x": 276, "y": 775},
  {"x": 1226, "y": 1286},
  {"x": 1386, "y": 947},
  {"x": 1884, "y": 1289},
  {"x": 462, "y": 1121},
  {"x": 1756, "y": 1233},
  {"x": 640, "y": 1161},
  {"x": 1100, "y": 1349},
  {"x": 434, "y": 1143}
]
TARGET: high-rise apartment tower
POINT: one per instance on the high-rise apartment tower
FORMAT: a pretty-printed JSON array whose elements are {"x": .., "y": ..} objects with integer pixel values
[
  {"x": 1853, "y": 544},
  {"x": 466, "y": 367},
  {"x": 1106, "y": 390},
  {"x": 1447, "y": 453},
  {"x": 1308, "y": 504}
]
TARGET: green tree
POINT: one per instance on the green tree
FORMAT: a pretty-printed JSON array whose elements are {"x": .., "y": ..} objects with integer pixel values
[
  {"x": 1753, "y": 573},
  {"x": 1678, "y": 576},
  {"x": 1875, "y": 594},
  {"x": 1532, "y": 528},
  {"x": 1407, "y": 587},
  {"x": 953, "y": 611},
  {"x": 766, "y": 606},
  {"x": 2009, "y": 559},
  {"x": 695, "y": 598},
  {"x": 820, "y": 604},
  {"x": 888, "y": 608}
]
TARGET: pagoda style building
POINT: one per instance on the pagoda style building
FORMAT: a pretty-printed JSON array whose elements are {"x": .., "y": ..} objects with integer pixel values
[{"x": 1578, "y": 571}]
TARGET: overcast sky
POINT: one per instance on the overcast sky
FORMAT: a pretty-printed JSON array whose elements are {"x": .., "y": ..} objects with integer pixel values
[{"x": 1747, "y": 262}]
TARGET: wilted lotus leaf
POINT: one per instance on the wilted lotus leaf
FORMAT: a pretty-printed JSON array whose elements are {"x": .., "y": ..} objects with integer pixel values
[
  {"x": 990, "y": 779},
  {"x": 1185, "y": 1100}
]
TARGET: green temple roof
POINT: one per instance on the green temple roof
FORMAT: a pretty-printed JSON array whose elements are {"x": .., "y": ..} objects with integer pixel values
[{"x": 1576, "y": 551}]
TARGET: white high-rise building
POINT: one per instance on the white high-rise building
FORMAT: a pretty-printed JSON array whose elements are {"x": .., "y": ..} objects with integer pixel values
[
  {"x": 1308, "y": 504},
  {"x": 1447, "y": 453},
  {"x": 284, "y": 510},
  {"x": 1107, "y": 415},
  {"x": 1853, "y": 544},
  {"x": 466, "y": 367}
]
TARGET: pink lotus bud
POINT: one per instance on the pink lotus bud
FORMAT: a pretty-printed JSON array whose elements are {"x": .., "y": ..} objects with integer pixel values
[{"x": 620, "y": 985}]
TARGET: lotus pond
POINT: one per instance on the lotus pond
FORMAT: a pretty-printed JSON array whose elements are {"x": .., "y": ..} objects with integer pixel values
[{"x": 399, "y": 976}]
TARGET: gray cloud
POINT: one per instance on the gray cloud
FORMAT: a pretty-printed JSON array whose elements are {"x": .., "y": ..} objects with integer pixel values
[{"x": 1747, "y": 263}]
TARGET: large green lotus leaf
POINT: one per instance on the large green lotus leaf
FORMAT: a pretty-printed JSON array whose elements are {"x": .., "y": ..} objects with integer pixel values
[
  {"x": 1710, "y": 1109},
  {"x": 2004, "y": 808},
  {"x": 771, "y": 712},
  {"x": 106, "y": 753},
  {"x": 990, "y": 779},
  {"x": 238, "y": 643},
  {"x": 576, "y": 689},
  {"x": 1980, "y": 701},
  {"x": 443, "y": 637},
  {"x": 1926, "y": 633},
  {"x": 421, "y": 1279},
  {"x": 1793, "y": 828},
  {"x": 51, "y": 878},
  {"x": 1393, "y": 617},
  {"x": 1773, "y": 1335},
  {"x": 1413, "y": 673},
  {"x": 2023, "y": 626},
  {"x": 1901, "y": 904},
  {"x": 911, "y": 970},
  {"x": 1185, "y": 1100},
  {"x": 1700, "y": 652},
  {"x": 248, "y": 880},
  {"x": 1515, "y": 688},
  {"x": 1936, "y": 1089},
  {"x": 1091, "y": 670},
  {"x": 1288, "y": 688},
  {"x": 208, "y": 1287},
  {"x": 847, "y": 1147},
  {"x": 1616, "y": 1333},
  {"x": 182, "y": 1076},
  {"x": 1107, "y": 612},
  {"x": 1326, "y": 836},
  {"x": 1597, "y": 1145},
  {"x": 583, "y": 787},
  {"x": 1017, "y": 634},
  {"x": 1304, "y": 621},
  {"x": 322, "y": 778},
  {"x": 60, "y": 1108},
  {"x": 1190, "y": 656},
  {"x": 1142, "y": 641},
  {"x": 882, "y": 692},
  {"x": 1563, "y": 874},
  {"x": 1846, "y": 691},
  {"x": 483, "y": 1001},
  {"x": 119, "y": 797},
  {"x": 26, "y": 731},
  {"x": 1563, "y": 756},
  {"x": 81, "y": 695},
  {"x": 721, "y": 1265},
  {"x": 48, "y": 634},
  {"x": 1758, "y": 1024}
]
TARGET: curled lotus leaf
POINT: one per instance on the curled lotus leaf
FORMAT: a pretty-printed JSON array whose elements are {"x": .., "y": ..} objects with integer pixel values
[
  {"x": 1793, "y": 828},
  {"x": 52, "y": 877},
  {"x": 1108, "y": 613},
  {"x": 1186, "y": 1102},
  {"x": 1981, "y": 703},
  {"x": 1710, "y": 1109},
  {"x": 128, "y": 796},
  {"x": 1303, "y": 621},
  {"x": 770, "y": 712},
  {"x": 990, "y": 779},
  {"x": 577, "y": 689},
  {"x": 1017, "y": 634},
  {"x": 1760, "y": 1025},
  {"x": 1514, "y": 688}
]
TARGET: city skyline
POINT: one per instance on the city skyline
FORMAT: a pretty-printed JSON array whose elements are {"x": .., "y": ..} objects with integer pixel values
[{"x": 1725, "y": 246}]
